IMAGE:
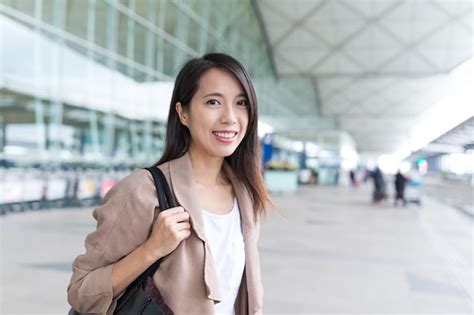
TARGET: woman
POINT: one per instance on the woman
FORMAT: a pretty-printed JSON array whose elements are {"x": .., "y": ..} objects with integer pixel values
[{"x": 209, "y": 242}]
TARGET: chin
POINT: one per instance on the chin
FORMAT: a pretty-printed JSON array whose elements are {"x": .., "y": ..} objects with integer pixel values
[
  {"x": 225, "y": 153},
  {"x": 229, "y": 153}
]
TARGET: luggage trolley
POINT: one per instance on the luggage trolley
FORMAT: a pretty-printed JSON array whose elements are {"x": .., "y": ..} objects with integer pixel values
[{"x": 413, "y": 190}]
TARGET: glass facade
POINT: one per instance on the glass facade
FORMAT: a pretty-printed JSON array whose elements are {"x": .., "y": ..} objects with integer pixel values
[{"x": 91, "y": 79}]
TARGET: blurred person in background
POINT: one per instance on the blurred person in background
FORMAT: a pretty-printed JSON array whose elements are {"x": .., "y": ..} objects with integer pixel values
[
  {"x": 379, "y": 185},
  {"x": 353, "y": 179},
  {"x": 208, "y": 243},
  {"x": 400, "y": 182}
]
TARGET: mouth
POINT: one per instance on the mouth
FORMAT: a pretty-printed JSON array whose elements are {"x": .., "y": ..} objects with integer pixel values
[{"x": 225, "y": 134}]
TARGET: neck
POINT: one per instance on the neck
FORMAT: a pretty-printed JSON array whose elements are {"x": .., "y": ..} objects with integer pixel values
[{"x": 206, "y": 169}]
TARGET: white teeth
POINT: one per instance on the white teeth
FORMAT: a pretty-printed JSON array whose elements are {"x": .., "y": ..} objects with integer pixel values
[{"x": 226, "y": 135}]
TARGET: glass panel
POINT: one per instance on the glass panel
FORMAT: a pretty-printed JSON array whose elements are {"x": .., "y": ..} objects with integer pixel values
[
  {"x": 161, "y": 8},
  {"x": 169, "y": 55},
  {"x": 25, "y": 6},
  {"x": 140, "y": 43},
  {"x": 195, "y": 5},
  {"x": 48, "y": 7},
  {"x": 101, "y": 17},
  {"x": 141, "y": 7},
  {"x": 170, "y": 19},
  {"x": 122, "y": 34},
  {"x": 194, "y": 31},
  {"x": 159, "y": 53},
  {"x": 147, "y": 9},
  {"x": 124, "y": 2},
  {"x": 213, "y": 16},
  {"x": 76, "y": 18},
  {"x": 151, "y": 54}
]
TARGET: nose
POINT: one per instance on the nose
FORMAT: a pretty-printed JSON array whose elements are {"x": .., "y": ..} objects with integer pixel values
[{"x": 229, "y": 116}]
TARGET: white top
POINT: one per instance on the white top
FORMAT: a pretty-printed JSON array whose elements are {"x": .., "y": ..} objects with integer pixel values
[{"x": 224, "y": 234}]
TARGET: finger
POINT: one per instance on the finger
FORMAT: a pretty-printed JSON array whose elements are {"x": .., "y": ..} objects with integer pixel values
[
  {"x": 180, "y": 217},
  {"x": 184, "y": 234},
  {"x": 171, "y": 211},
  {"x": 182, "y": 226}
]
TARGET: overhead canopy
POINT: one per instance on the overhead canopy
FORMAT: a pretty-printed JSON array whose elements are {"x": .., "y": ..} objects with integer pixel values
[
  {"x": 460, "y": 136},
  {"x": 377, "y": 66}
]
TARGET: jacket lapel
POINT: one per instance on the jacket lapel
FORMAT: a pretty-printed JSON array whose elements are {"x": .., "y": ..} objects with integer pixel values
[
  {"x": 183, "y": 183},
  {"x": 184, "y": 186}
]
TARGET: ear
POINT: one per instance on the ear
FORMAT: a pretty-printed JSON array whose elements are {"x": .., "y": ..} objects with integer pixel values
[{"x": 182, "y": 114}]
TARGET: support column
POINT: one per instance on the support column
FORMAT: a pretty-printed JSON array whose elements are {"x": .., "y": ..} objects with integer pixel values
[
  {"x": 57, "y": 107},
  {"x": 134, "y": 139},
  {"x": 41, "y": 135},
  {"x": 109, "y": 130},
  {"x": 94, "y": 131}
]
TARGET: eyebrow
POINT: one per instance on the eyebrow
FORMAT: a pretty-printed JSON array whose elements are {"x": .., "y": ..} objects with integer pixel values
[{"x": 221, "y": 95}]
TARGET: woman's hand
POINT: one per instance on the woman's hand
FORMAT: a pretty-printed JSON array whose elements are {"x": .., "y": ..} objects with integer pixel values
[{"x": 170, "y": 228}]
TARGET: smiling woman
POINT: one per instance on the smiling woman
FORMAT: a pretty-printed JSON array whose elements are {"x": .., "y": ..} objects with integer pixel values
[
  {"x": 208, "y": 244},
  {"x": 215, "y": 118}
]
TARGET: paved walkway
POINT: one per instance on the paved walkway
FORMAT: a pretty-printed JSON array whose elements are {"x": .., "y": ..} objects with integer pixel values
[
  {"x": 329, "y": 252},
  {"x": 451, "y": 192},
  {"x": 334, "y": 253}
]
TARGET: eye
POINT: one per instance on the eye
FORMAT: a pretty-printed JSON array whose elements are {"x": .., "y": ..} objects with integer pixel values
[
  {"x": 243, "y": 103},
  {"x": 212, "y": 102}
]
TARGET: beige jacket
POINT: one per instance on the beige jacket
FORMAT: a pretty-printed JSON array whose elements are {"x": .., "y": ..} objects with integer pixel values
[{"x": 186, "y": 278}]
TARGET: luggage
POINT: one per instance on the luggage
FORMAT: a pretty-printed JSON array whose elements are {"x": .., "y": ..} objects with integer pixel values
[{"x": 413, "y": 191}]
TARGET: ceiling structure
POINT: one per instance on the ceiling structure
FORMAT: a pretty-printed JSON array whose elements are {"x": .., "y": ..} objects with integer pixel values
[
  {"x": 376, "y": 65},
  {"x": 456, "y": 140},
  {"x": 461, "y": 135}
]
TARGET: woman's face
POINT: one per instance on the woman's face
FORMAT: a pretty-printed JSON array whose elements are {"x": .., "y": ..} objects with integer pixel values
[{"x": 217, "y": 117}]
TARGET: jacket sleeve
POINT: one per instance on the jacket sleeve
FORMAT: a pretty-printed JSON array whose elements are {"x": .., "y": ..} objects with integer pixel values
[{"x": 124, "y": 221}]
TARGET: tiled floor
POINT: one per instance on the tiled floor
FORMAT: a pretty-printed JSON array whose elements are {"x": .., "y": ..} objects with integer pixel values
[
  {"x": 332, "y": 252},
  {"x": 329, "y": 251},
  {"x": 455, "y": 193}
]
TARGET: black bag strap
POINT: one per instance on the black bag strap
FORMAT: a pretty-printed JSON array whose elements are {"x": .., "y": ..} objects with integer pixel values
[
  {"x": 166, "y": 200},
  {"x": 160, "y": 178}
]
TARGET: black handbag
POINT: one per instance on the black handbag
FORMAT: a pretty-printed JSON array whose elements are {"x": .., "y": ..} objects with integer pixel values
[{"x": 142, "y": 297}]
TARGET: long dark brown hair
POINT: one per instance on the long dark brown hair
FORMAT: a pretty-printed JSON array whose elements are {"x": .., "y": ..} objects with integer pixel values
[{"x": 245, "y": 161}]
